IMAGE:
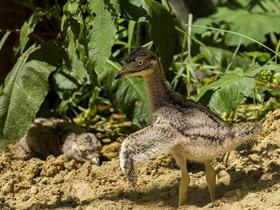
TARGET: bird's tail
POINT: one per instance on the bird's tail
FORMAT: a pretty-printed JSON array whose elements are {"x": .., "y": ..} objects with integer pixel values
[{"x": 245, "y": 132}]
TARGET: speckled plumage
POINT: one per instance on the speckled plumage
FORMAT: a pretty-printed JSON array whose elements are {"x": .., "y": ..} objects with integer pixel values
[
  {"x": 181, "y": 127},
  {"x": 55, "y": 137}
]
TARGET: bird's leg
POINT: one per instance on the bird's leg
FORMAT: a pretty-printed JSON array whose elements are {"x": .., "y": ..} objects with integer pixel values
[
  {"x": 184, "y": 184},
  {"x": 211, "y": 179}
]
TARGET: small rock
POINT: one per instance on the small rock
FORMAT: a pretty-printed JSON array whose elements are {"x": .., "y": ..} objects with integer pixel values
[
  {"x": 173, "y": 192},
  {"x": 244, "y": 186},
  {"x": 50, "y": 171},
  {"x": 34, "y": 190},
  {"x": 161, "y": 203},
  {"x": 239, "y": 193},
  {"x": 164, "y": 195},
  {"x": 71, "y": 165},
  {"x": 7, "y": 188},
  {"x": 58, "y": 179},
  {"x": 106, "y": 140},
  {"x": 229, "y": 194},
  {"x": 60, "y": 160},
  {"x": 25, "y": 197},
  {"x": 256, "y": 174}
]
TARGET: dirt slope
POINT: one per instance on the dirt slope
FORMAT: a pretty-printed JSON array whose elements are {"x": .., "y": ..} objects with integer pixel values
[{"x": 248, "y": 178}]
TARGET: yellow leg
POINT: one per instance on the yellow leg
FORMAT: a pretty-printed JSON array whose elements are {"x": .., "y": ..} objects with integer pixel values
[
  {"x": 184, "y": 185},
  {"x": 211, "y": 180}
]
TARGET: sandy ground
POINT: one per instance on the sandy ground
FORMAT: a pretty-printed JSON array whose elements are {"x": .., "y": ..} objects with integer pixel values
[{"x": 248, "y": 178}]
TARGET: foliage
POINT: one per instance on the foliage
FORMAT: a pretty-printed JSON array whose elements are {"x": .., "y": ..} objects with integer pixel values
[
  {"x": 68, "y": 52},
  {"x": 81, "y": 42}
]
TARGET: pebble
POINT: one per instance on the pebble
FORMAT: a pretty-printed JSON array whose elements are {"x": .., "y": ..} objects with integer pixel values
[
  {"x": 7, "y": 188},
  {"x": 229, "y": 194},
  {"x": 25, "y": 197},
  {"x": 173, "y": 192},
  {"x": 58, "y": 179},
  {"x": 51, "y": 171},
  {"x": 239, "y": 193},
  {"x": 34, "y": 190},
  {"x": 161, "y": 203},
  {"x": 60, "y": 160},
  {"x": 71, "y": 165},
  {"x": 164, "y": 194},
  {"x": 256, "y": 174},
  {"x": 244, "y": 186}
]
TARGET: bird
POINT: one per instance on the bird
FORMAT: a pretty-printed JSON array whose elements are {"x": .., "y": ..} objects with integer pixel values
[
  {"x": 181, "y": 127},
  {"x": 52, "y": 136}
]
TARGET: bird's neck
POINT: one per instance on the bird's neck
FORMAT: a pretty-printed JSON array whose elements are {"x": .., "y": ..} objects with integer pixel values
[{"x": 157, "y": 88}]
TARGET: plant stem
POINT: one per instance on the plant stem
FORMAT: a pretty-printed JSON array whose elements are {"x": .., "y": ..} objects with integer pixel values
[
  {"x": 235, "y": 33},
  {"x": 189, "y": 54}
]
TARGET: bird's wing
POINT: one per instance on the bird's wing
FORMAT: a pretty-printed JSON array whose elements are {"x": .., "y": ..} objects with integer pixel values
[
  {"x": 145, "y": 144},
  {"x": 195, "y": 123}
]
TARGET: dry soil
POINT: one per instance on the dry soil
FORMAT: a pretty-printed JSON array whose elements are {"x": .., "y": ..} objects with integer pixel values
[{"x": 248, "y": 178}]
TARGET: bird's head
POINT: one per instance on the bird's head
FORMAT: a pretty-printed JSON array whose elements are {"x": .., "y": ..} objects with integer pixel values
[{"x": 139, "y": 62}]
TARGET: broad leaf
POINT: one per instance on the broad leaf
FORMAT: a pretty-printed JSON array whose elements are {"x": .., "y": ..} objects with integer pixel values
[
  {"x": 254, "y": 25},
  {"x": 102, "y": 34},
  {"x": 127, "y": 94},
  {"x": 25, "y": 89},
  {"x": 229, "y": 91},
  {"x": 163, "y": 31}
]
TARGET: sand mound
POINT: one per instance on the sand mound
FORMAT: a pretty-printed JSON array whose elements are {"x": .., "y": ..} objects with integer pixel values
[{"x": 248, "y": 178}]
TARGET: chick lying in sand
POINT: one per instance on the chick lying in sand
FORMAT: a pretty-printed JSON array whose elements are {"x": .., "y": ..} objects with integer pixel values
[{"x": 55, "y": 137}]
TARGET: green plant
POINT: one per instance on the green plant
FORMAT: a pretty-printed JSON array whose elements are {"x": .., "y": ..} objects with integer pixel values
[
  {"x": 69, "y": 51},
  {"x": 74, "y": 57}
]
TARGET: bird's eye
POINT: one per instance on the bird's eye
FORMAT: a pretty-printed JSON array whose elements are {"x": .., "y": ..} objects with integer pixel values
[{"x": 140, "y": 63}]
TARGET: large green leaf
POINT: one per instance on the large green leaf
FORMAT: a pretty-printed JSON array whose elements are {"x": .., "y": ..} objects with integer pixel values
[
  {"x": 102, "y": 34},
  {"x": 25, "y": 89},
  {"x": 254, "y": 25},
  {"x": 229, "y": 91},
  {"x": 127, "y": 94},
  {"x": 163, "y": 26},
  {"x": 163, "y": 32}
]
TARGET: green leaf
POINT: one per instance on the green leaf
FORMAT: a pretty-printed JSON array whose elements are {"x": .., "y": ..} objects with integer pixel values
[
  {"x": 254, "y": 25},
  {"x": 25, "y": 89},
  {"x": 222, "y": 58},
  {"x": 256, "y": 69},
  {"x": 75, "y": 64},
  {"x": 136, "y": 10},
  {"x": 65, "y": 86},
  {"x": 74, "y": 8},
  {"x": 229, "y": 91},
  {"x": 163, "y": 26},
  {"x": 127, "y": 94},
  {"x": 26, "y": 29},
  {"x": 102, "y": 34},
  {"x": 163, "y": 32},
  {"x": 4, "y": 38},
  {"x": 261, "y": 56}
]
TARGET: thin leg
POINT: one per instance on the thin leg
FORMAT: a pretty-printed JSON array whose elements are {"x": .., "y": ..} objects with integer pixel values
[
  {"x": 211, "y": 180},
  {"x": 184, "y": 185}
]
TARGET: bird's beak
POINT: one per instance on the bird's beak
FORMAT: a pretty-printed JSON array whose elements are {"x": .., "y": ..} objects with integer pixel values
[
  {"x": 119, "y": 74},
  {"x": 126, "y": 71},
  {"x": 95, "y": 160}
]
